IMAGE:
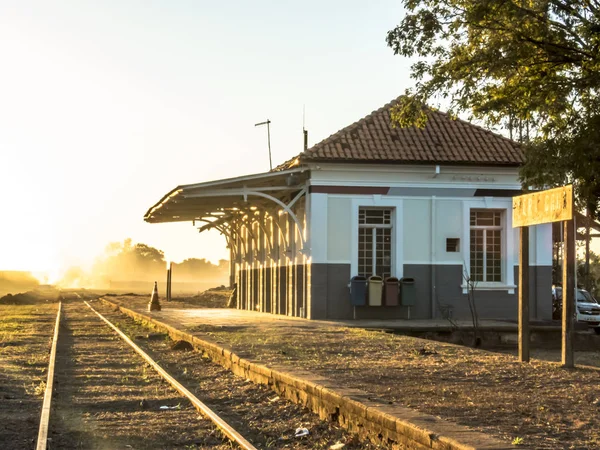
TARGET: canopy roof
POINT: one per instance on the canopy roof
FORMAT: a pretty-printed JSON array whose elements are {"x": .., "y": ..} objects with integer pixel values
[{"x": 223, "y": 201}]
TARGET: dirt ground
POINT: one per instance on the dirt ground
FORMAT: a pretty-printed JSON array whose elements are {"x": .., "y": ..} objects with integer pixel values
[
  {"x": 539, "y": 404},
  {"x": 254, "y": 410},
  {"x": 35, "y": 297},
  {"x": 25, "y": 339},
  {"x": 212, "y": 298}
]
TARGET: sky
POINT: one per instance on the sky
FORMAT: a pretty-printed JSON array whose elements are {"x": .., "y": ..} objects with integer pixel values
[{"x": 106, "y": 106}]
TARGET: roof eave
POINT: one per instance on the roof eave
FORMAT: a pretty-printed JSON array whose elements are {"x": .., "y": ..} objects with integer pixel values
[
  {"x": 179, "y": 190},
  {"x": 307, "y": 160}
]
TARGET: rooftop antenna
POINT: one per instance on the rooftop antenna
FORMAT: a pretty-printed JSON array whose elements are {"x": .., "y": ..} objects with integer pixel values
[
  {"x": 267, "y": 123},
  {"x": 304, "y": 130}
]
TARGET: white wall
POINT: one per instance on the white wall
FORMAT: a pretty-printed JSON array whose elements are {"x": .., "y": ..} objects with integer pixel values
[
  {"x": 417, "y": 225},
  {"x": 396, "y": 175},
  {"x": 339, "y": 231},
  {"x": 448, "y": 224},
  {"x": 317, "y": 227},
  {"x": 420, "y": 220}
]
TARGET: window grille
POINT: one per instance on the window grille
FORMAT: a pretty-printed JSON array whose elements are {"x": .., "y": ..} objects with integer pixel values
[
  {"x": 375, "y": 242},
  {"x": 486, "y": 245}
]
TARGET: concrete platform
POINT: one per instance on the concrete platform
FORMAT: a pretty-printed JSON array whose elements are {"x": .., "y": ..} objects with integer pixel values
[
  {"x": 496, "y": 333},
  {"x": 224, "y": 317}
]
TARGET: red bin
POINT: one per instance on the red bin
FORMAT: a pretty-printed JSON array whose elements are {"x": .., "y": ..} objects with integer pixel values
[{"x": 391, "y": 291}]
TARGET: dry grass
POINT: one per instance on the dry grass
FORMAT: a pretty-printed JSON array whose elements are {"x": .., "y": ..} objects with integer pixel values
[
  {"x": 25, "y": 336},
  {"x": 538, "y": 404}
]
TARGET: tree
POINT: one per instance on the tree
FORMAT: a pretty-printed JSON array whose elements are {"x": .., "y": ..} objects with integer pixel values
[
  {"x": 125, "y": 261},
  {"x": 532, "y": 66},
  {"x": 194, "y": 268},
  {"x": 145, "y": 254}
]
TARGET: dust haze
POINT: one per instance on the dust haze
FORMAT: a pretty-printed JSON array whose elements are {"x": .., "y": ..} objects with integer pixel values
[
  {"x": 129, "y": 267},
  {"x": 14, "y": 282}
]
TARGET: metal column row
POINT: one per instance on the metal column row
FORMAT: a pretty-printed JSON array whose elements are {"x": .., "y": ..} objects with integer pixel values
[{"x": 271, "y": 274}]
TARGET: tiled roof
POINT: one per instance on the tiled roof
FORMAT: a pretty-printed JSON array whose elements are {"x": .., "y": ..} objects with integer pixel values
[{"x": 442, "y": 140}]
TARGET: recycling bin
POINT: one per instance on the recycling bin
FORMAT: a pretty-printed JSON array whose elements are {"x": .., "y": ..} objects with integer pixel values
[
  {"x": 375, "y": 290},
  {"x": 391, "y": 288},
  {"x": 408, "y": 291},
  {"x": 358, "y": 291}
]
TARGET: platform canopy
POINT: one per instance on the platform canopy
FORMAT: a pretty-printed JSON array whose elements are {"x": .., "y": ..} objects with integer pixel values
[{"x": 220, "y": 203}]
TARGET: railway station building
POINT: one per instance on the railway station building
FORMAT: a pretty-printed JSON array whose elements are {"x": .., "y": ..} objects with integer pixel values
[{"x": 377, "y": 222}]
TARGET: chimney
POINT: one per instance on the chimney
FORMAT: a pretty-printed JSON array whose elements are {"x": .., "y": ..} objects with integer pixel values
[{"x": 305, "y": 139}]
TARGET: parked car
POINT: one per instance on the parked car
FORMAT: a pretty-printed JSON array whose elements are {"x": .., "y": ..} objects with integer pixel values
[{"x": 587, "y": 308}]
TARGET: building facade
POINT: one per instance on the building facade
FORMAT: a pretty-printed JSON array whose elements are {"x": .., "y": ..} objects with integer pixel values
[{"x": 433, "y": 205}]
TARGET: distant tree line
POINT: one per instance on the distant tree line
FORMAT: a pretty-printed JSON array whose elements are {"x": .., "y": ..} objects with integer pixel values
[{"x": 126, "y": 261}]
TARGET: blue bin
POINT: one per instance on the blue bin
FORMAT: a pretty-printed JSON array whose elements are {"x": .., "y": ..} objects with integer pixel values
[{"x": 358, "y": 291}]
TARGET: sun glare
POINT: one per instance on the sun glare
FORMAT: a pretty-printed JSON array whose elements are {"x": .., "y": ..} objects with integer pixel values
[{"x": 51, "y": 276}]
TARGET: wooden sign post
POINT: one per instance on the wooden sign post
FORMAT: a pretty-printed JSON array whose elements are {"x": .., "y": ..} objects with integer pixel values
[
  {"x": 568, "y": 293},
  {"x": 552, "y": 205},
  {"x": 524, "y": 295}
]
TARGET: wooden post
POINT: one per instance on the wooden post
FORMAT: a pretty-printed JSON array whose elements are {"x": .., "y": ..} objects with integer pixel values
[
  {"x": 568, "y": 293},
  {"x": 588, "y": 280},
  {"x": 524, "y": 295},
  {"x": 552, "y": 205},
  {"x": 170, "y": 281},
  {"x": 167, "y": 284},
  {"x": 169, "y": 278}
]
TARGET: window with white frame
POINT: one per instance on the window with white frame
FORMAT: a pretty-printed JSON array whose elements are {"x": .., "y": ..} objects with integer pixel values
[
  {"x": 375, "y": 242},
  {"x": 486, "y": 245}
]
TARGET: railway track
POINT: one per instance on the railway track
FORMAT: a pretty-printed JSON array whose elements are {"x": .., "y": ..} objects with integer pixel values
[
  {"x": 106, "y": 396},
  {"x": 110, "y": 393}
]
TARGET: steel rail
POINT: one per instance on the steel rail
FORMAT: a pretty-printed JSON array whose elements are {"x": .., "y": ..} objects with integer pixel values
[
  {"x": 42, "y": 440},
  {"x": 227, "y": 429}
]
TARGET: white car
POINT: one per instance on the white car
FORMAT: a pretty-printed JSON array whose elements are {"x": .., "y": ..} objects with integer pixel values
[{"x": 588, "y": 309}]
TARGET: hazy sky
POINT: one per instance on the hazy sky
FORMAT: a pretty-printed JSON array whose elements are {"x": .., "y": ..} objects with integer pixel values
[{"x": 107, "y": 105}]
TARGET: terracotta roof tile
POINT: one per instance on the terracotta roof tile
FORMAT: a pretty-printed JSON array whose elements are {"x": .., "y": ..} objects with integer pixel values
[{"x": 443, "y": 140}]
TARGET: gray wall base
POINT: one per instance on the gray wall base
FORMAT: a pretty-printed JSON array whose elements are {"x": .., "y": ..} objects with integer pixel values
[{"x": 331, "y": 299}]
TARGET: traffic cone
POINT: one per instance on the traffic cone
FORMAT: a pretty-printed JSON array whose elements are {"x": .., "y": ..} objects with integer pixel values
[{"x": 154, "y": 305}]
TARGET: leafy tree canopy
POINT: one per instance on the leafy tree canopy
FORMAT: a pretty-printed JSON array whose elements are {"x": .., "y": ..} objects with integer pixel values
[
  {"x": 137, "y": 261},
  {"x": 128, "y": 261},
  {"x": 194, "y": 267},
  {"x": 532, "y": 66}
]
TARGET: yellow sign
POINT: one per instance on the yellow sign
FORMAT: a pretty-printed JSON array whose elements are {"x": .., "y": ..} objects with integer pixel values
[{"x": 552, "y": 205}]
